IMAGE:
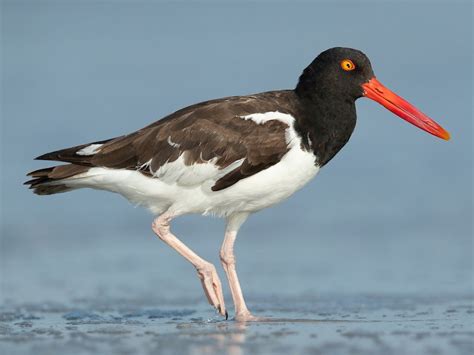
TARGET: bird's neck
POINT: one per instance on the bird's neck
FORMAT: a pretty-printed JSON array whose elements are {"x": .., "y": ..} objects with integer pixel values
[{"x": 325, "y": 124}]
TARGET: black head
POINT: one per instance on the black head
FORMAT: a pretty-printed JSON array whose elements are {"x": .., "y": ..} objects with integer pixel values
[
  {"x": 340, "y": 75},
  {"x": 337, "y": 72}
]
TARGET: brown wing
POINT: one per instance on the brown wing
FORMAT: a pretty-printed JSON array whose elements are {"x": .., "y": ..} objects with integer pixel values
[{"x": 209, "y": 131}]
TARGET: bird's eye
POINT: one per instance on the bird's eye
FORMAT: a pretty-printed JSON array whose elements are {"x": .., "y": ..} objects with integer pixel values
[{"x": 347, "y": 65}]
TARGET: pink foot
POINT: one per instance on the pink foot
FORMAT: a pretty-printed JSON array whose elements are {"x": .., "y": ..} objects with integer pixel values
[
  {"x": 248, "y": 317},
  {"x": 212, "y": 287}
]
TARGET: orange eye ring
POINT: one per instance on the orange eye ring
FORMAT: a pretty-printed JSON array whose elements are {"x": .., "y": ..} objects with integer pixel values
[{"x": 347, "y": 65}]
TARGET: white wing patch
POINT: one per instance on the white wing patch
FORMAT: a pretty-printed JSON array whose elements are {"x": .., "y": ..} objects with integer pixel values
[
  {"x": 310, "y": 142},
  {"x": 89, "y": 150},
  {"x": 260, "y": 118},
  {"x": 173, "y": 144}
]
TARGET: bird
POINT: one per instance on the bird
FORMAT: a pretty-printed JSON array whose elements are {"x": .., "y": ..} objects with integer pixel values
[{"x": 231, "y": 157}]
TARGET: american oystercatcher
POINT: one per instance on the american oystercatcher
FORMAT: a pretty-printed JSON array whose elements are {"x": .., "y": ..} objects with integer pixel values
[{"x": 231, "y": 157}]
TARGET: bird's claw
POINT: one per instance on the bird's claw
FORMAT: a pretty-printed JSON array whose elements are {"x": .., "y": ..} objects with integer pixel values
[{"x": 212, "y": 288}]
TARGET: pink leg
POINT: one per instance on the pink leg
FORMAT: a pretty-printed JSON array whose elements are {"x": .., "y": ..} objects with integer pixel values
[
  {"x": 206, "y": 271},
  {"x": 228, "y": 262}
]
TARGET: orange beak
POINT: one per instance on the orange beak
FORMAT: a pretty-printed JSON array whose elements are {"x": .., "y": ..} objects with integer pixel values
[{"x": 374, "y": 90}]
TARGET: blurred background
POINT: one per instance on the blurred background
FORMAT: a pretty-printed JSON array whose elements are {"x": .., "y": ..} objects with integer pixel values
[{"x": 391, "y": 214}]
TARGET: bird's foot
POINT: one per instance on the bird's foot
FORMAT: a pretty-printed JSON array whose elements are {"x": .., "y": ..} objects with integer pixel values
[
  {"x": 212, "y": 287},
  {"x": 246, "y": 316}
]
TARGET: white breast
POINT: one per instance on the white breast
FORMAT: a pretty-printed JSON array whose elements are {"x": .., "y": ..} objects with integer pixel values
[{"x": 271, "y": 185}]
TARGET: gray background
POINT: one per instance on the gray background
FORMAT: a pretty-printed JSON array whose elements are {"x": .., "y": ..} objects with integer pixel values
[{"x": 391, "y": 214}]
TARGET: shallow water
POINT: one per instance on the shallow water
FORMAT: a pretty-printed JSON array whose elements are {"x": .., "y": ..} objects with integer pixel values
[
  {"x": 330, "y": 324},
  {"x": 123, "y": 291}
]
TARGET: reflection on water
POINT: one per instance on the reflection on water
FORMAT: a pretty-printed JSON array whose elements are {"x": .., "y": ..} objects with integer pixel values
[
  {"x": 393, "y": 325},
  {"x": 228, "y": 338}
]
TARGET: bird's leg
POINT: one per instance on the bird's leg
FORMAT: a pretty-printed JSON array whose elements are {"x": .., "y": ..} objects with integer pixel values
[
  {"x": 206, "y": 271},
  {"x": 228, "y": 262}
]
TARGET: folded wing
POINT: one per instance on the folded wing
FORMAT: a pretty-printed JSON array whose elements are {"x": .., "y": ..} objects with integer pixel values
[{"x": 176, "y": 148}]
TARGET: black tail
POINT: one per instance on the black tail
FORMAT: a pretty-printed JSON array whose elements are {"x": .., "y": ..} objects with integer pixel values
[{"x": 50, "y": 181}]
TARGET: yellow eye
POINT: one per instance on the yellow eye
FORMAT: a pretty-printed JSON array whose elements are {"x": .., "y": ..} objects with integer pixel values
[{"x": 347, "y": 65}]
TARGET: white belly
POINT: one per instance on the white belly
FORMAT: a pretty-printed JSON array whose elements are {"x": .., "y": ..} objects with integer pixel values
[{"x": 251, "y": 194}]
